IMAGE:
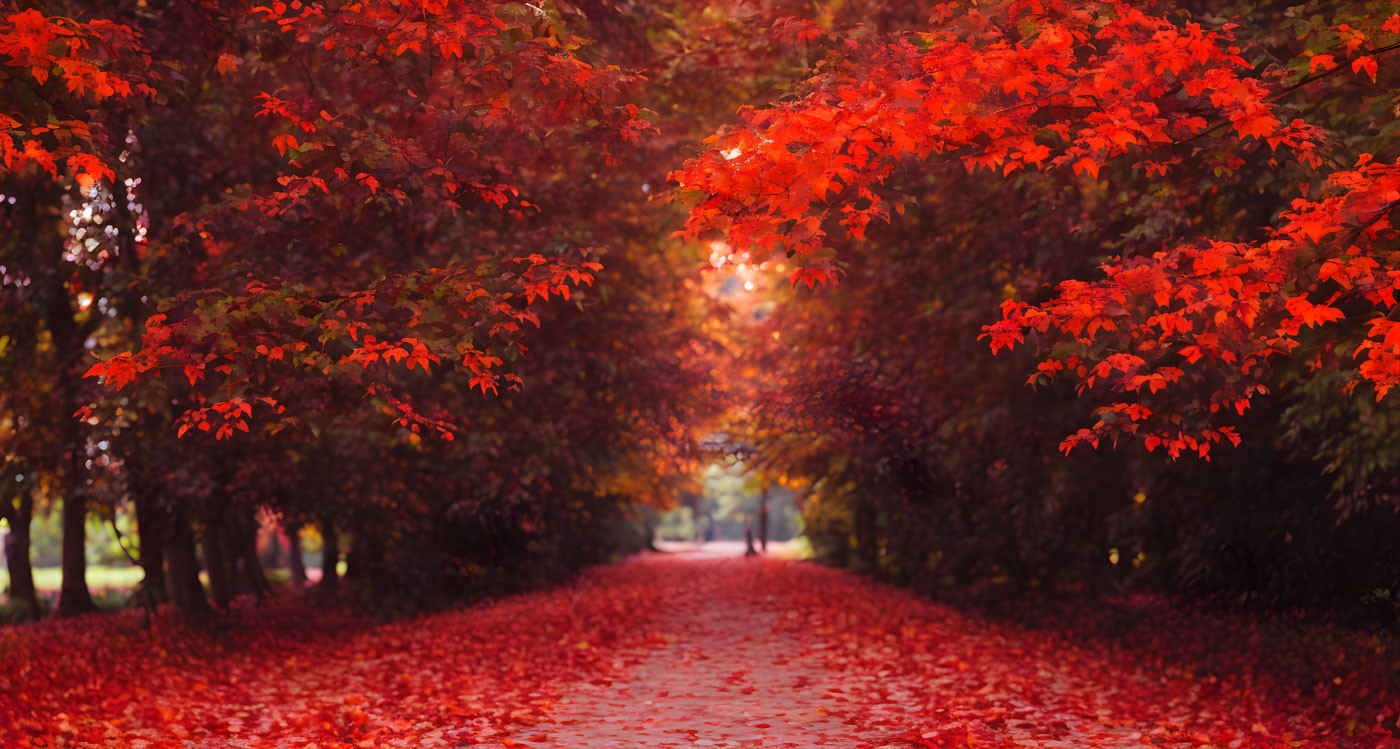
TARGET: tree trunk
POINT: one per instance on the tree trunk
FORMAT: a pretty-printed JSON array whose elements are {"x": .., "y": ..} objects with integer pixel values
[
  {"x": 239, "y": 579},
  {"x": 295, "y": 563},
  {"x": 271, "y": 555},
  {"x": 367, "y": 572},
  {"x": 763, "y": 521},
  {"x": 867, "y": 545},
  {"x": 247, "y": 551},
  {"x": 73, "y": 598},
  {"x": 22, "y": 593},
  {"x": 216, "y": 562},
  {"x": 73, "y": 595},
  {"x": 182, "y": 567},
  {"x": 330, "y": 553},
  {"x": 151, "y": 532}
]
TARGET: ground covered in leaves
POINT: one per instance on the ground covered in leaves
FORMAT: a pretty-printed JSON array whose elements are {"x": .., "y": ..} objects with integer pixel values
[{"x": 692, "y": 649}]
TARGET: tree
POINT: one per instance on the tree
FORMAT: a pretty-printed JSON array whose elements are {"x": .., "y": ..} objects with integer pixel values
[
  {"x": 57, "y": 72},
  {"x": 951, "y": 172},
  {"x": 1174, "y": 338},
  {"x": 351, "y": 204}
]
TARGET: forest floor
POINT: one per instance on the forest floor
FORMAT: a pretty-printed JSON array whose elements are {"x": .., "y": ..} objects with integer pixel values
[{"x": 692, "y": 649}]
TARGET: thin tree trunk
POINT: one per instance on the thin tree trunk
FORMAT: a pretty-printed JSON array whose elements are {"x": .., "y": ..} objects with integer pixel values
[
  {"x": 22, "y": 592},
  {"x": 239, "y": 579},
  {"x": 252, "y": 566},
  {"x": 182, "y": 568},
  {"x": 867, "y": 550},
  {"x": 295, "y": 563},
  {"x": 216, "y": 563},
  {"x": 73, "y": 595},
  {"x": 271, "y": 555},
  {"x": 330, "y": 553},
  {"x": 763, "y": 521}
]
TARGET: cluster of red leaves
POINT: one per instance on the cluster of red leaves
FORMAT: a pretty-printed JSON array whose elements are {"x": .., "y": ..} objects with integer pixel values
[
  {"x": 1174, "y": 341},
  {"x": 243, "y": 346},
  {"x": 1087, "y": 83},
  {"x": 466, "y": 70},
  {"x": 57, "y": 51},
  {"x": 399, "y": 124},
  {"x": 1216, "y": 312}
]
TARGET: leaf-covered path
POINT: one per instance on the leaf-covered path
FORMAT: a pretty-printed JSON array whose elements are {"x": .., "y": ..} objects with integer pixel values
[
  {"x": 680, "y": 650},
  {"x": 723, "y": 669}
]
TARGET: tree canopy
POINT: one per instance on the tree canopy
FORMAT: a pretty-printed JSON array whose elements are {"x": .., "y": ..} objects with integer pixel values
[{"x": 469, "y": 285}]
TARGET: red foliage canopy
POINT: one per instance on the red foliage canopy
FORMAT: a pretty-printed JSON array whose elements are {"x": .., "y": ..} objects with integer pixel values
[{"x": 1074, "y": 87}]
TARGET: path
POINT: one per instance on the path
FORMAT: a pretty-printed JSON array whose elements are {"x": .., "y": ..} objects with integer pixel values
[
  {"x": 769, "y": 654},
  {"x": 685, "y": 650},
  {"x": 729, "y": 674}
]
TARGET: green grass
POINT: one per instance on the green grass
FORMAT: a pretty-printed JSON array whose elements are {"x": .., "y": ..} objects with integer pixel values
[
  {"x": 98, "y": 576},
  {"x": 110, "y": 586},
  {"x": 797, "y": 548},
  {"x": 117, "y": 578}
]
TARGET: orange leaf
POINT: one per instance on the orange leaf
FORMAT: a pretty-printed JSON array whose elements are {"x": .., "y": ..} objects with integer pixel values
[
  {"x": 1366, "y": 63},
  {"x": 226, "y": 63}
]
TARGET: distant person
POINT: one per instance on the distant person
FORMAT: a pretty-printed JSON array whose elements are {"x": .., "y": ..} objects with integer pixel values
[{"x": 748, "y": 539}]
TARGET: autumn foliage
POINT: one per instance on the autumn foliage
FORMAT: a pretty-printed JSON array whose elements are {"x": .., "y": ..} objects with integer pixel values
[
  {"x": 1182, "y": 214},
  {"x": 1072, "y": 89},
  {"x": 341, "y": 238},
  {"x": 1016, "y": 300}
]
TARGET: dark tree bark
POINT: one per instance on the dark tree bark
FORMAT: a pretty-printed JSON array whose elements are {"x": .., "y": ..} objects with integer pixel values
[
  {"x": 247, "y": 552},
  {"x": 330, "y": 553},
  {"x": 22, "y": 592},
  {"x": 73, "y": 596},
  {"x": 763, "y": 521},
  {"x": 182, "y": 568},
  {"x": 216, "y": 561},
  {"x": 867, "y": 543},
  {"x": 295, "y": 564},
  {"x": 151, "y": 530},
  {"x": 367, "y": 565},
  {"x": 239, "y": 579}
]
